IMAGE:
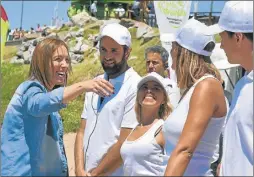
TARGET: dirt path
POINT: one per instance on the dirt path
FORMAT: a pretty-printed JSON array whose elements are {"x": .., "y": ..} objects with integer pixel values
[{"x": 69, "y": 140}]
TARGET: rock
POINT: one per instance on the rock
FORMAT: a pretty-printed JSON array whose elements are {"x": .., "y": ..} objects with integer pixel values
[
  {"x": 80, "y": 47},
  {"x": 77, "y": 57},
  {"x": 31, "y": 50},
  {"x": 127, "y": 22},
  {"x": 73, "y": 33},
  {"x": 133, "y": 58},
  {"x": 148, "y": 36},
  {"x": 83, "y": 18},
  {"x": 19, "y": 54},
  {"x": 74, "y": 62},
  {"x": 69, "y": 24},
  {"x": 13, "y": 59},
  {"x": 62, "y": 35},
  {"x": 16, "y": 60},
  {"x": 32, "y": 36},
  {"x": 80, "y": 32},
  {"x": 27, "y": 62},
  {"x": 52, "y": 35},
  {"x": 142, "y": 29},
  {"x": 34, "y": 42},
  {"x": 37, "y": 40},
  {"x": 27, "y": 56},
  {"x": 94, "y": 25},
  {"x": 113, "y": 20},
  {"x": 67, "y": 37},
  {"x": 25, "y": 46}
]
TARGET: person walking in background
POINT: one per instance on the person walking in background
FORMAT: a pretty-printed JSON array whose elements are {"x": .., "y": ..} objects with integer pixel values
[
  {"x": 93, "y": 9},
  {"x": 119, "y": 11},
  {"x": 192, "y": 130},
  {"x": 151, "y": 14},
  {"x": 136, "y": 10},
  {"x": 143, "y": 150},
  {"x": 106, "y": 123},
  {"x": 32, "y": 130},
  {"x": 157, "y": 61},
  {"x": 72, "y": 10},
  {"x": 106, "y": 12},
  {"x": 235, "y": 28}
]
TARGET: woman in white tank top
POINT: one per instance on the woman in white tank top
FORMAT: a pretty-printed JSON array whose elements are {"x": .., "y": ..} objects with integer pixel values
[
  {"x": 192, "y": 131},
  {"x": 143, "y": 150}
]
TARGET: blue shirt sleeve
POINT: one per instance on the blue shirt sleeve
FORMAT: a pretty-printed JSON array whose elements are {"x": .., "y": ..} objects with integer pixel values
[{"x": 40, "y": 103}]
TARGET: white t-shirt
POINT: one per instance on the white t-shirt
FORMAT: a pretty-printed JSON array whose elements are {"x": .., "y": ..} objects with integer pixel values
[
  {"x": 121, "y": 11},
  {"x": 93, "y": 8},
  {"x": 237, "y": 159},
  {"x": 173, "y": 92},
  {"x": 104, "y": 121}
]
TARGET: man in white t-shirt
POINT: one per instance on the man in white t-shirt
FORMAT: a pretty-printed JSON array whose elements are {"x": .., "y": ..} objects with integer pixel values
[
  {"x": 235, "y": 28},
  {"x": 157, "y": 61},
  {"x": 93, "y": 9},
  {"x": 120, "y": 11},
  {"x": 106, "y": 122}
]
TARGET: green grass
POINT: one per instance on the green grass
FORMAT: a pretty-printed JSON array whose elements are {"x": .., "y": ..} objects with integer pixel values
[
  {"x": 9, "y": 52},
  {"x": 11, "y": 76}
]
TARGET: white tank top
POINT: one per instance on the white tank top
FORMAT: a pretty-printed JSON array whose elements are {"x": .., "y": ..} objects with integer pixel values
[
  {"x": 203, "y": 155},
  {"x": 144, "y": 156}
]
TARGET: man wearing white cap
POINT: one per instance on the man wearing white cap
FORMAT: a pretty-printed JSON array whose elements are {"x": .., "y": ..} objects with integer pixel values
[
  {"x": 106, "y": 122},
  {"x": 235, "y": 28}
]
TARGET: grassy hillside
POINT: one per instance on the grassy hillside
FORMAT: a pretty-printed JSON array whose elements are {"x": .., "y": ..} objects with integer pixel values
[{"x": 13, "y": 75}]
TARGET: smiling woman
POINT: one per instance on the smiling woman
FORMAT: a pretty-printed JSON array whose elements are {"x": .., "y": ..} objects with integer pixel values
[
  {"x": 32, "y": 131},
  {"x": 146, "y": 141}
]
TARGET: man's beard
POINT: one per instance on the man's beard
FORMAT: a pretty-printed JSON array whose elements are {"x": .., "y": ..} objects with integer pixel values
[{"x": 116, "y": 69}]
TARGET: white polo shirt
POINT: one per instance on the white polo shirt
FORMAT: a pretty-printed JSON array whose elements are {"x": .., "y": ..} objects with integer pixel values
[
  {"x": 237, "y": 159},
  {"x": 104, "y": 121},
  {"x": 173, "y": 92}
]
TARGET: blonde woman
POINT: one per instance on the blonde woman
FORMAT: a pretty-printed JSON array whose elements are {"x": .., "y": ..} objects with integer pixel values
[
  {"x": 192, "y": 130},
  {"x": 143, "y": 150},
  {"x": 32, "y": 131}
]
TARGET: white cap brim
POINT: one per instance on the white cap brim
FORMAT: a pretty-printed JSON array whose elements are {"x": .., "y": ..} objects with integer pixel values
[
  {"x": 151, "y": 77},
  {"x": 213, "y": 29}
]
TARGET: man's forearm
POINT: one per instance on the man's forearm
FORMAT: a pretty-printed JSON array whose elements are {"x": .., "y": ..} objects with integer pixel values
[
  {"x": 110, "y": 162},
  {"x": 79, "y": 151}
]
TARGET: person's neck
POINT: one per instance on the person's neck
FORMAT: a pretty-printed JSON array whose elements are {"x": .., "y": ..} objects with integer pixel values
[
  {"x": 112, "y": 76},
  {"x": 148, "y": 115},
  {"x": 247, "y": 61}
]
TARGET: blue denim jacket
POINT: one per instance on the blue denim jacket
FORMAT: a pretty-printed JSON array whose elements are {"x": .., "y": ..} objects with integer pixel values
[{"x": 32, "y": 133}]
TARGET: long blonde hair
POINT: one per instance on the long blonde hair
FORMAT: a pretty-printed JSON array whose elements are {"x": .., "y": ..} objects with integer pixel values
[
  {"x": 41, "y": 64},
  {"x": 163, "y": 112},
  {"x": 191, "y": 66}
]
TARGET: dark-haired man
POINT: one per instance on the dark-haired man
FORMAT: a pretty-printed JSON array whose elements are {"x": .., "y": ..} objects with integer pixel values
[{"x": 235, "y": 28}]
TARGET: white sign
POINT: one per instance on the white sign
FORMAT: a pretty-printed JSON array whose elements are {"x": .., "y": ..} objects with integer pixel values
[{"x": 170, "y": 16}]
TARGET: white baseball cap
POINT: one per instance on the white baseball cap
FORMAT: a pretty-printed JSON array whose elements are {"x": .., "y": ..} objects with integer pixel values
[
  {"x": 153, "y": 76},
  {"x": 236, "y": 16},
  {"x": 119, "y": 33},
  {"x": 191, "y": 36}
]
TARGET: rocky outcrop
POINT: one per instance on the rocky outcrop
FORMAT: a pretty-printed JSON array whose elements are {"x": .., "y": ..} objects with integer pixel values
[
  {"x": 82, "y": 37},
  {"x": 83, "y": 18}
]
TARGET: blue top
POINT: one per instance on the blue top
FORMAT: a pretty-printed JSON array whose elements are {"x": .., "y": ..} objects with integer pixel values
[
  {"x": 150, "y": 6},
  {"x": 32, "y": 133}
]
